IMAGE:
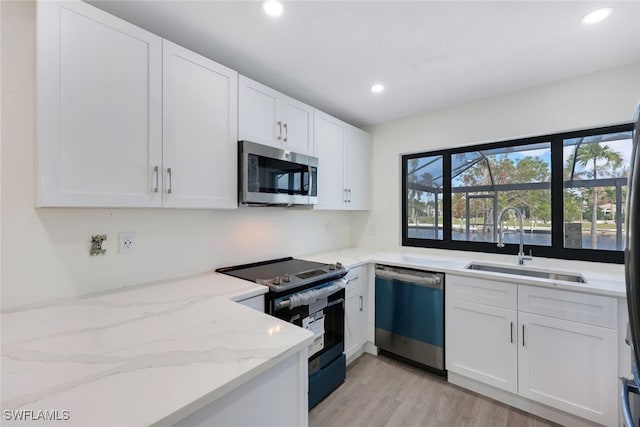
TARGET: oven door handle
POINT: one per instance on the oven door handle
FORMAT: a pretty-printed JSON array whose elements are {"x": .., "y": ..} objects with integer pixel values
[
  {"x": 306, "y": 297},
  {"x": 286, "y": 303}
]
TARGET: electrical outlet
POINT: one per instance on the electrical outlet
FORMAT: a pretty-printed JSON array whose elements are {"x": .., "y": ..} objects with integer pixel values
[{"x": 127, "y": 242}]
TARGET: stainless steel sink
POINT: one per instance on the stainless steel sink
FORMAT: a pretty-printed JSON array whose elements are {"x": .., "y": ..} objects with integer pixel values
[{"x": 552, "y": 275}]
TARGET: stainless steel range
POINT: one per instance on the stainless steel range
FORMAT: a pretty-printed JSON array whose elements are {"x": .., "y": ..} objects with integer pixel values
[{"x": 310, "y": 295}]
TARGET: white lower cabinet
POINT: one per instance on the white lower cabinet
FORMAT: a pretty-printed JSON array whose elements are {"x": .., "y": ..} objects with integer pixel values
[
  {"x": 569, "y": 365},
  {"x": 276, "y": 397},
  {"x": 549, "y": 347},
  {"x": 354, "y": 319},
  {"x": 482, "y": 343}
]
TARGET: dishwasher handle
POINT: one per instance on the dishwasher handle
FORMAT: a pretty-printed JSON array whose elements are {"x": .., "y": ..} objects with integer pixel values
[{"x": 430, "y": 280}]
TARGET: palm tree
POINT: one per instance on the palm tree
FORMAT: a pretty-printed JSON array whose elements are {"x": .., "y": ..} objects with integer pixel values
[{"x": 592, "y": 154}]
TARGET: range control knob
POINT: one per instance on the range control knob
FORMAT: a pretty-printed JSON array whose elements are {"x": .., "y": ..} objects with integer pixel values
[
  {"x": 286, "y": 278},
  {"x": 338, "y": 265},
  {"x": 277, "y": 280},
  {"x": 332, "y": 266}
]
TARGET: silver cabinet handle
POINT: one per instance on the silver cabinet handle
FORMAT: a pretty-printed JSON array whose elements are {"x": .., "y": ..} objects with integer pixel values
[
  {"x": 511, "y": 332},
  {"x": 279, "y": 131},
  {"x": 361, "y": 303},
  {"x": 523, "y": 334},
  {"x": 170, "y": 185},
  {"x": 349, "y": 195},
  {"x": 157, "y": 173},
  {"x": 286, "y": 132},
  {"x": 345, "y": 196}
]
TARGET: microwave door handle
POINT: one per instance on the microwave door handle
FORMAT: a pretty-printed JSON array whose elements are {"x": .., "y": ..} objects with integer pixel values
[{"x": 309, "y": 170}]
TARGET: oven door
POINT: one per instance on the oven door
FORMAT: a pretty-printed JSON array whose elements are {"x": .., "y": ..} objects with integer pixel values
[{"x": 325, "y": 318}]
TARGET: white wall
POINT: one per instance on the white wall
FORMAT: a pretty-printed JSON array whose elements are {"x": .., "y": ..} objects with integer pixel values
[
  {"x": 597, "y": 99},
  {"x": 46, "y": 251}
]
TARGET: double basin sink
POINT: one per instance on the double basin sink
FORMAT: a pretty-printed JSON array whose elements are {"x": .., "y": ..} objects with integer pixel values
[{"x": 524, "y": 271}]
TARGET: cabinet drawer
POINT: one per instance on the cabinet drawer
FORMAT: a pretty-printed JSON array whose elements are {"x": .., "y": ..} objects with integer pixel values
[
  {"x": 482, "y": 291},
  {"x": 584, "y": 308}
]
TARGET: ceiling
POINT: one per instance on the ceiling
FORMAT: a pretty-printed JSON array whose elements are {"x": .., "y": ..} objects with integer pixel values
[{"x": 428, "y": 54}]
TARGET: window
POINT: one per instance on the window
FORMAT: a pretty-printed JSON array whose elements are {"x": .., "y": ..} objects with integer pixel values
[
  {"x": 595, "y": 181},
  {"x": 423, "y": 217},
  {"x": 483, "y": 182},
  {"x": 569, "y": 187}
]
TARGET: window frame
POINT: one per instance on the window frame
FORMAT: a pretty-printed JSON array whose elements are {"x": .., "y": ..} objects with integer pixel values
[{"x": 557, "y": 249}]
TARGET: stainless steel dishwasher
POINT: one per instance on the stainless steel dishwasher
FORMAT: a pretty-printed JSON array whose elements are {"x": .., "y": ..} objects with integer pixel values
[{"x": 410, "y": 315}]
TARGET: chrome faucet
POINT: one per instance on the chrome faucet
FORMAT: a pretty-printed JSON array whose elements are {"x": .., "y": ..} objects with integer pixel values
[{"x": 521, "y": 257}]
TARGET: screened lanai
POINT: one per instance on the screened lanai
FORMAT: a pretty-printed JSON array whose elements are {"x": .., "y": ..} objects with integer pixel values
[{"x": 484, "y": 181}]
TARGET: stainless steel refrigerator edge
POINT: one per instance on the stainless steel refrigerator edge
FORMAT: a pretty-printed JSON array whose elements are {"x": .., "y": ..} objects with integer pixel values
[{"x": 632, "y": 270}]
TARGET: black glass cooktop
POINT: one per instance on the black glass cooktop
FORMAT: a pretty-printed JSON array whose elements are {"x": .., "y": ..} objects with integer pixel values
[{"x": 284, "y": 273}]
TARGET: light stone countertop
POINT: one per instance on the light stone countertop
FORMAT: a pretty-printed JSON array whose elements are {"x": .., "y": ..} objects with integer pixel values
[
  {"x": 152, "y": 355},
  {"x": 145, "y": 356},
  {"x": 600, "y": 279}
]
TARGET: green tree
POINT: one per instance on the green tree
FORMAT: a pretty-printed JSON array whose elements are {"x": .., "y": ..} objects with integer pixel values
[{"x": 596, "y": 156}]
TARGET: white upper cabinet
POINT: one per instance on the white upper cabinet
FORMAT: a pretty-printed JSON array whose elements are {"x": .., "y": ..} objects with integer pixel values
[
  {"x": 358, "y": 169},
  {"x": 297, "y": 126},
  {"x": 344, "y": 171},
  {"x": 126, "y": 122},
  {"x": 257, "y": 116},
  {"x": 329, "y": 149},
  {"x": 199, "y": 131},
  {"x": 99, "y": 109},
  {"x": 269, "y": 117}
]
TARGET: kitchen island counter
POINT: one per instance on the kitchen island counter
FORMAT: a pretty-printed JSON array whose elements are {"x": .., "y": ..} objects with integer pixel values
[{"x": 151, "y": 355}]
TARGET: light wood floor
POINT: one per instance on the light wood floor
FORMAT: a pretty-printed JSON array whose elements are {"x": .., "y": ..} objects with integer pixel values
[{"x": 380, "y": 391}]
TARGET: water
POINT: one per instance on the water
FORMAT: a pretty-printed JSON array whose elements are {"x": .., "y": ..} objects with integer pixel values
[{"x": 605, "y": 241}]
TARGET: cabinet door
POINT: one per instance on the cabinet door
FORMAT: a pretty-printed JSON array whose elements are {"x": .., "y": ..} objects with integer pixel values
[
  {"x": 329, "y": 138},
  {"x": 358, "y": 169},
  {"x": 354, "y": 323},
  {"x": 257, "y": 109},
  {"x": 297, "y": 119},
  {"x": 354, "y": 312},
  {"x": 199, "y": 130},
  {"x": 99, "y": 109},
  {"x": 570, "y": 366},
  {"x": 482, "y": 343}
]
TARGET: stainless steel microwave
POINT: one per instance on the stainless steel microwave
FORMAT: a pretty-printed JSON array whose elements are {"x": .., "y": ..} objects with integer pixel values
[{"x": 272, "y": 176}]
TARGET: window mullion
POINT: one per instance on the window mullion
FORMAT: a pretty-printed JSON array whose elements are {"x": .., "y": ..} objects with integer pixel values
[{"x": 557, "y": 194}]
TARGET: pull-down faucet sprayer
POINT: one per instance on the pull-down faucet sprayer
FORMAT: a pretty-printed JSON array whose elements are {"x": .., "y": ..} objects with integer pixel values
[{"x": 521, "y": 257}]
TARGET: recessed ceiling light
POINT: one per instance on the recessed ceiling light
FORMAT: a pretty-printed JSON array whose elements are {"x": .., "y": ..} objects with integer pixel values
[
  {"x": 377, "y": 88},
  {"x": 596, "y": 15},
  {"x": 272, "y": 7}
]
